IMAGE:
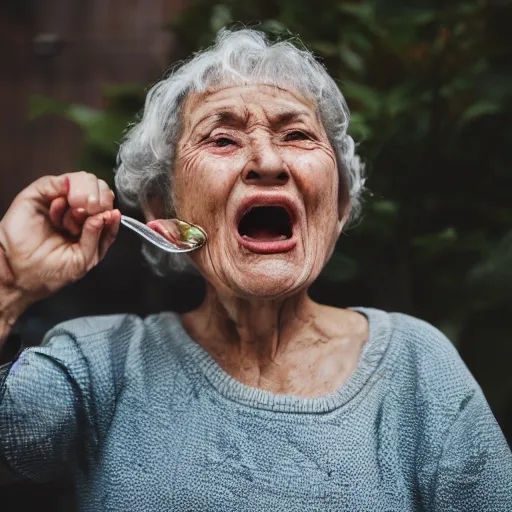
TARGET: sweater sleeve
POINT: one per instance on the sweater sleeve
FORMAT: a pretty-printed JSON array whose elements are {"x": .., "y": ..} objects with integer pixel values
[
  {"x": 44, "y": 404},
  {"x": 57, "y": 400},
  {"x": 475, "y": 469}
]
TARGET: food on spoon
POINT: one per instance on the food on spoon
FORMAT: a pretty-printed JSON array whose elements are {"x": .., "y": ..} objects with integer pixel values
[{"x": 178, "y": 232}]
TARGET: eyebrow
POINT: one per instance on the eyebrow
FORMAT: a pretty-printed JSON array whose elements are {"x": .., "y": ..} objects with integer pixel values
[
  {"x": 224, "y": 116},
  {"x": 234, "y": 118},
  {"x": 289, "y": 116}
]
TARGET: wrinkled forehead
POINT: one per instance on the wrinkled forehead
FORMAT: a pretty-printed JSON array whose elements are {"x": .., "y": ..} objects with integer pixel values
[{"x": 275, "y": 103}]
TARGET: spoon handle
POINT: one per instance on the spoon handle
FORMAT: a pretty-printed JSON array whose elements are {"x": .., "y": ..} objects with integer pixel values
[{"x": 151, "y": 236}]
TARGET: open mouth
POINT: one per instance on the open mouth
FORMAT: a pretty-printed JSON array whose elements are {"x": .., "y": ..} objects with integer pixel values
[
  {"x": 266, "y": 229},
  {"x": 266, "y": 224}
]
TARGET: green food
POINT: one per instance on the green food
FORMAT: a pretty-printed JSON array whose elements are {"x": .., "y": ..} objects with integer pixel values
[{"x": 191, "y": 235}]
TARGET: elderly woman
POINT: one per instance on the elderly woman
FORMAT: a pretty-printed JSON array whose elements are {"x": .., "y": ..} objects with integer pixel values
[{"x": 261, "y": 399}]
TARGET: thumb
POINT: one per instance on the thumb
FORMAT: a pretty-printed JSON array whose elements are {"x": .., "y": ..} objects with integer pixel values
[{"x": 90, "y": 237}]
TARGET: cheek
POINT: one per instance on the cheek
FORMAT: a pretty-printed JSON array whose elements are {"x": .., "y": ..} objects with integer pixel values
[
  {"x": 202, "y": 188},
  {"x": 185, "y": 184},
  {"x": 317, "y": 179}
]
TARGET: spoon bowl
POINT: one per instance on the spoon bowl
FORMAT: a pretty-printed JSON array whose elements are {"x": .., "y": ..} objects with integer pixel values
[{"x": 170, "y": 235}]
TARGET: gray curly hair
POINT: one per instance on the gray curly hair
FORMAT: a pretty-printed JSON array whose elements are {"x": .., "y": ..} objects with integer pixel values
[{"x": 146, "y": 155}]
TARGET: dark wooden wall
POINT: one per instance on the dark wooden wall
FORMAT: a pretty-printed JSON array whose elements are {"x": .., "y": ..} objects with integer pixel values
[{"x": 68, "y": 49}]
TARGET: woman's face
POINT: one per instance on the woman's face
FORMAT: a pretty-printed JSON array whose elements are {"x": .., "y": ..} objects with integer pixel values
[{"x": 255, "y": 169}]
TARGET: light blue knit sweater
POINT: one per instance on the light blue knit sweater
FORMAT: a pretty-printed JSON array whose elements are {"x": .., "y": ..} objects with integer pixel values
[{"x": 145, "y": 420}]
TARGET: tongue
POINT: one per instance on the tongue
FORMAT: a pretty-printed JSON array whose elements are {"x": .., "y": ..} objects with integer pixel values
[{"x": 265, "y": 235}]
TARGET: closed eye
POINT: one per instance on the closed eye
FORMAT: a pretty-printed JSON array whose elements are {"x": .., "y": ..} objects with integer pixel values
[{"x": 296, "y": 135}]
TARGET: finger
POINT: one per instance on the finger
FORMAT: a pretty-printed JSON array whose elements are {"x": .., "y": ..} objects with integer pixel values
[
  {"x": 57, "y": 210},
  {"x": 74, "y": 220},
  {"x": 106, "y": 196},
  {"x": 110, "y": 232},
  {"x": 93, "y": 200},
  {"x": 71, "y": 224},
  {"x": 79, "y": 214},
  {"x": 46, "y": 189},
  {"x": 90, "y": 238},
  {"x": 84, "y": 192},
  {"x": 93, "y": 203}
]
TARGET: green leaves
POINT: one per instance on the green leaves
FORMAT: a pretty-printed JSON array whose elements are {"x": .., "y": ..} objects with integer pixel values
[
  {"x": 429, "y": 87},
  {"x": 429, "y": 90},
  {"x": 351, "y": 59},
  {"x": 102, "y": 128},
  {"x": 220, "y": 17},
  {"x": 41, "y": 105},
  {"x": 490, "y": 281},
  {"x": 479, "y": 109},
  {"x": 365, "y": 97},
  {"x": 324, "y": 48}
]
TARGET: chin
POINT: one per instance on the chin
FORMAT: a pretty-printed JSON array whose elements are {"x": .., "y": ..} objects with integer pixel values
[{"x": 270, "y": 278}]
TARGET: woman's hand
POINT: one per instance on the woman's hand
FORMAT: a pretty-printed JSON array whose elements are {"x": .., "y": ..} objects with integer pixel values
[{"x": 54, "y": 232}]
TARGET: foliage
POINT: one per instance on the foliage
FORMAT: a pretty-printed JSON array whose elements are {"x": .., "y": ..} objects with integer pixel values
[
  {"x": 102, "y": 127},
  {"x": 429, "y": 90},
  {"x": 430, "y": 97}
]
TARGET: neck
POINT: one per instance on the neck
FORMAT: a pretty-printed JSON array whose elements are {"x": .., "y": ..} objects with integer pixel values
[
  {"x": 291, "y": 346},
  {"x": 258, "y": 331}
]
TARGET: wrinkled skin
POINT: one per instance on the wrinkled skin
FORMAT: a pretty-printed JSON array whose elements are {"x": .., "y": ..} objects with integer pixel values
[
  {"x": 55, "y": 231},
  {"x": 292, "y": 158},
  {"x": 257, "y": 320}
]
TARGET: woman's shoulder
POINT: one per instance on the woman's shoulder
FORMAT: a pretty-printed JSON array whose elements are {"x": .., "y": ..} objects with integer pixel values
[
  {"x": 421, "y": 340},
  {"x": 106, "y": 326},
  {"x": 420, "y": 335},
  {"x": 425, "y": 361},
  {"x": 94, "y": 326},
  {"x": 91, "y": 329},
  {"x": 116, "y": 336},
  {"x": 409, "y": 335}
]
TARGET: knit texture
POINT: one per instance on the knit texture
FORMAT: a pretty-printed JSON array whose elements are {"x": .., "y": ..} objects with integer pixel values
[{"x": 143, "y": 419}]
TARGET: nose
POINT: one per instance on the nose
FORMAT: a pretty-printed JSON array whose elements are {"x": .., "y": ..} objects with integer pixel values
[{"x": 266, "y": 168}]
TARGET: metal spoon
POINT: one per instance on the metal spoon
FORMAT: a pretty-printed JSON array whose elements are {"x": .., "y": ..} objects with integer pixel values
[{"x": 171, "y": 235}]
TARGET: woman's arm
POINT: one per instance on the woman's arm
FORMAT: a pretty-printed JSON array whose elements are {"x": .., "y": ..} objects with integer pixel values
[
  {"x": 44, "y": 409},
  {"x": 11, "y": 300},
  {"x": 57, "y": 400},
  {"x": 11, "y": 307},
  {"x": 54, "y": 232}
]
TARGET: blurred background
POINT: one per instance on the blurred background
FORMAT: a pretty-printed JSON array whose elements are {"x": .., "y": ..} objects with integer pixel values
[{"x": 430, "y": 90}]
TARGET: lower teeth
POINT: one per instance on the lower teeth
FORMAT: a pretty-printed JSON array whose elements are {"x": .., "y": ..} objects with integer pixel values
[{"x": 273, "y": 239}]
